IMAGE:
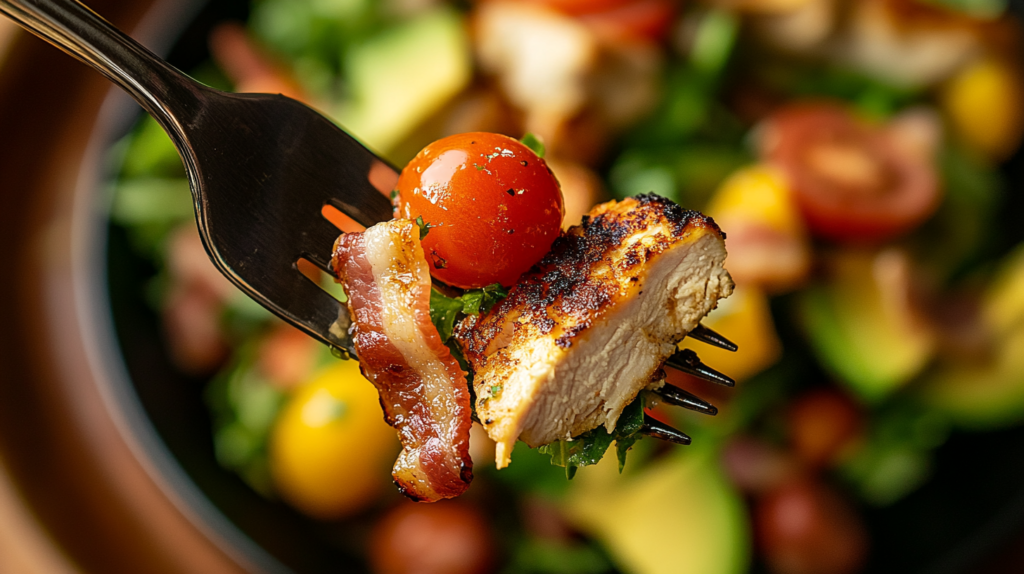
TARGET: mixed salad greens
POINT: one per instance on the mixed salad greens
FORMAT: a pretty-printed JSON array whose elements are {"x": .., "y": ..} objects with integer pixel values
[{"x": 860, "y": 351}]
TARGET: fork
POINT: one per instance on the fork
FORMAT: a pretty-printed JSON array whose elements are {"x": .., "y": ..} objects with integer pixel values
[{"x": 261, "y": 169}]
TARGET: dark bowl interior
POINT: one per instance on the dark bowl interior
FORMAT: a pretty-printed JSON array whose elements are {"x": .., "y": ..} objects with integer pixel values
[{"x": 969, "y": 511}]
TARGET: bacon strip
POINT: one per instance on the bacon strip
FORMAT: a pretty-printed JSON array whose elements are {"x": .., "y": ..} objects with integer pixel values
[{"x": 422, "y": 388}]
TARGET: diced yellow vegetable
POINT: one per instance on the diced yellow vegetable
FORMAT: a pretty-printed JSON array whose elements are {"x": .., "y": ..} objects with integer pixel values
[
  {"x": 330, "y": 448},
  {"x": 767, "y": 244},
  {"x": 745, "y": 319},
  {"x": 1003, "y": 307},
  {"x": 759, "y": 193},
  {"x": 985, "y": 104}
]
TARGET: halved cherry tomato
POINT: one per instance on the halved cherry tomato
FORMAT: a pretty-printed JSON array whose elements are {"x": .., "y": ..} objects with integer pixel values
[
  {"x": 804, "y": 527},
  {"x": 446, "y": 537},
  {"x": 823, "y": 425},
  {"x": 853, "y": 180},
  {"x": 493, "y": 207}
]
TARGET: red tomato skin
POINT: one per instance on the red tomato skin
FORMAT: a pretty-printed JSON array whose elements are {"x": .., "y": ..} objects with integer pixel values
[
  {"x": 494, "y": 206},
  {"x": 804, "y": 527},
  {"x": 440, "y": 538},
  {"x": 822, "y": 424},
  {"x": 913, "y": 193}
]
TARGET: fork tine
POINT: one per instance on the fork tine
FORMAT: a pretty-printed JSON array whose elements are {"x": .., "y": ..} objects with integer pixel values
[
  {"x": 675, "y": 396},
  {"x": 319, "y": 260},
  {"x": 657, "y": 429},
  {"x": 705, "y": 335},
  {"x": 688, "y": 362}
]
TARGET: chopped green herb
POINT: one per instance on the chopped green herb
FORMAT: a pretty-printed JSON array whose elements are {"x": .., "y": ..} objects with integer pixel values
[
  {"x": 444, "y": 310},
  {"x": 424, "y": 227},
  {"x": 394, "y": 194},
  {"x": 533, "y": 142},
  {"x": 481, "y": 300},
  {"x": 590, "y": 447},
  {"x": 495, "y": 389}
]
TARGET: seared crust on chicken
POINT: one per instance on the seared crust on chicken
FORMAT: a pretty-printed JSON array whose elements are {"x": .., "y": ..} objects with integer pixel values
[{"x": 588, "y": 327}]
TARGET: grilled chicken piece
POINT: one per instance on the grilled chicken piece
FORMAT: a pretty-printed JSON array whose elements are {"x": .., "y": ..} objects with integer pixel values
[
  {"x": 588, "y": 328},
  {"x": 422, "y": 388}
]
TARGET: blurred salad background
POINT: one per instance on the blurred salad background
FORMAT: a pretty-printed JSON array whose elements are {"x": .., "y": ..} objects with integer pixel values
[{"x": 858, "y": 153}]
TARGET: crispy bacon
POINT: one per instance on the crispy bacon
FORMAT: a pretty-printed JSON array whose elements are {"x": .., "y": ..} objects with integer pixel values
[{"x": 422, "y": 388}]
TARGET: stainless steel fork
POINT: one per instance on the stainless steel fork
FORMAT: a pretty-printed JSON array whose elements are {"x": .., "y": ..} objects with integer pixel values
[{"x": 261, "y": 167}]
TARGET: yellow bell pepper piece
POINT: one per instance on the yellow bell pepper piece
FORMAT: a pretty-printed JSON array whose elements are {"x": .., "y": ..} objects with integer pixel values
[
  {"x": 759, "y": 193},
  {"x": 985, "y": 105},
  {"x": 745, "y": 319}
]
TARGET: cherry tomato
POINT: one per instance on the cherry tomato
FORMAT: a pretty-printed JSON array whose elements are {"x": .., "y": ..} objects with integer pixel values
[
  {"x": 805, "y": 528},
  {"x": 852, "y": 180},
  {"x": 822, "y": 425},
  {"x": 330, "y": 449},
  {"x": 493, "y": 207},
  {"x": 755, "y": 465},
  {"x": 440, "y": 538},
  {"x": 287, "y": 356}
]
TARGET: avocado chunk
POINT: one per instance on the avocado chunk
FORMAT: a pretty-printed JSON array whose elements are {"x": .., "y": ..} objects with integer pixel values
[
  {"x": 676, "y": 516},
  {"x": 988, "y": 393},
  {"x": 861, "y": 326},
  {"x": 398, "y": 79},
  {"x": 981, "y": 396}
]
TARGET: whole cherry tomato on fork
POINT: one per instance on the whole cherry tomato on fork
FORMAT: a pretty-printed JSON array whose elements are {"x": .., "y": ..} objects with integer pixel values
[{"x": 492, "y": 206}]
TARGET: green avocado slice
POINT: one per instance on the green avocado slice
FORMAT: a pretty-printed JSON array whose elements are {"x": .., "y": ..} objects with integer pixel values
[
  {"x": 858, "y": 328},
  {"x": 676, "y": 516},
  {"x": 989, "y": 393},
  {"x": 981, "y": 396},
  {"x": 402, "y": 77}
]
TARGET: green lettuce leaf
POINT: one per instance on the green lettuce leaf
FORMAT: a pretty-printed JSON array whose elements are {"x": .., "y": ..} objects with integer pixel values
[
  {"x": 533, "y": 142},
  {"x": 444, "y": 310},
  {"x": 590, "y": 447}
]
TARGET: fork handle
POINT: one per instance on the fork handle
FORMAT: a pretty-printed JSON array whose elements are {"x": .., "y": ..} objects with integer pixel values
[{"x": 71, "y": 26}]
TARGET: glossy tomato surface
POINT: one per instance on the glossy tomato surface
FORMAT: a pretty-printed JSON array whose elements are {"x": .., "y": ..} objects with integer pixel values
[
  {"x": 441, "y": 538},
  {"x": 493, "y": 207},
  {"x": 853, "y": 181}
]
